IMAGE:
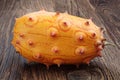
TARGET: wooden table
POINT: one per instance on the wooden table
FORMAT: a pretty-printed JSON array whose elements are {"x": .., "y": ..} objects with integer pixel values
[{"x": 105, "y": 13}]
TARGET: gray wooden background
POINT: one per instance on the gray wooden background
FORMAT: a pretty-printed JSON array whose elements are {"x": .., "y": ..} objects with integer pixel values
[{"x": 105, "y": 13}]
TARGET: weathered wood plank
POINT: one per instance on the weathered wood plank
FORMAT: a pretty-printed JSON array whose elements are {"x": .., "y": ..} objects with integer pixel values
[{"x": 105, "y": 13}]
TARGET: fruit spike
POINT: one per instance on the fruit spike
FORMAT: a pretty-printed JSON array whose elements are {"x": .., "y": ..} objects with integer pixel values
[
  {"x": 77, "y": 40},
  {"x": 17, "y": 42},
  {"x": 88, "y": 62},
  {"x": 57, "y": 13},
  {"x": 98, "y": 43},
  {"x": 80, "y": 37},
  {"x": 21, "y": 35},
  {"x": 30, "y": 42},
  {"x": 100, "y": 47},
  {"x": 30, "y": 19},
  {"x": 47, "y": 66},
  {"x": 99, "y": 54},
  {"x": 79, "y": 51},
  {"x": 37, "y": 56},
  {"x": 93, "y": 34},
  {"x": 87, "y": 23},
  {"x": 53, "y": 32},
  {"x": 58, "y": 65},
  {"x": 58, "y": 62},
  {"x": 103, "y": 39},
  {"x": 65, "y": 24},
  {"x": 55, "y": 49}
]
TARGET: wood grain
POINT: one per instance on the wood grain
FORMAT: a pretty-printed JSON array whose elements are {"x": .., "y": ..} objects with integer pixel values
[{"x": 105, "y": 13}]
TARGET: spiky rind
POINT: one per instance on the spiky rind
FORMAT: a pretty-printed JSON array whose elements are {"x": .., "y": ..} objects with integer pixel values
[{"x": 57, "y": 38}]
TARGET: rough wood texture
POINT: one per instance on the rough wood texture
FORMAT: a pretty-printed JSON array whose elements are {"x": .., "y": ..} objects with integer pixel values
[{"x": 105, "y": 13}]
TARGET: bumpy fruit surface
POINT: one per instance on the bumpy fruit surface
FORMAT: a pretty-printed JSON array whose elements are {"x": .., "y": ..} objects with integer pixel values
[{"x": 57, "y": 38}]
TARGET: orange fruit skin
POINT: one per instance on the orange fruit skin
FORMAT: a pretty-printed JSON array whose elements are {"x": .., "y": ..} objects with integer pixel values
[{"x": 57, "y": 38}]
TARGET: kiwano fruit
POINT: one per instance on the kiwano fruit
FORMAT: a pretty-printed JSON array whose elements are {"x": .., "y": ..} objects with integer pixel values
[{"x": 57, "y": 38}]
